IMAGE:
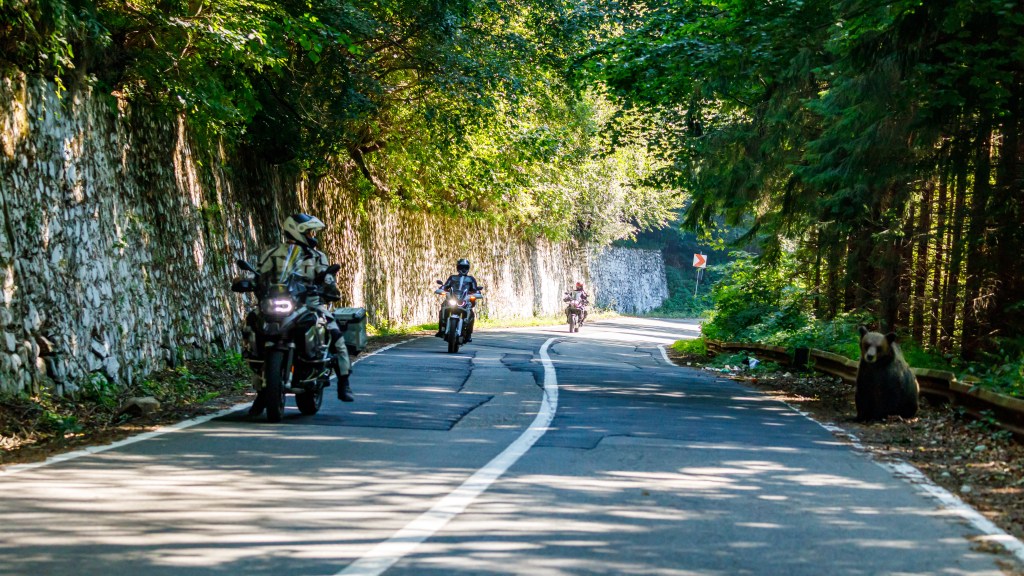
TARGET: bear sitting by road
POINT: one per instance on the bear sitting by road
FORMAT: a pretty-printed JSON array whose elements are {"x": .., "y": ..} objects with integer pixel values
[{"x": 885, "y": 384}]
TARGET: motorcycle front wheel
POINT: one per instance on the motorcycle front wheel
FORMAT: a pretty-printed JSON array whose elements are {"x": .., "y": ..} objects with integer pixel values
[
  {"x": 572, "y": 323},
  {"x": 274, "y": 376},
  {"x": 452, "y": 336}
]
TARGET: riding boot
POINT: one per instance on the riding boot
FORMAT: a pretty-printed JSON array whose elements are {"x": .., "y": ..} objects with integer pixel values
[
  {"x": 344, "y": 388},
  {"x": 259, "y": 404},
  {"x": 345, "y": 391}
]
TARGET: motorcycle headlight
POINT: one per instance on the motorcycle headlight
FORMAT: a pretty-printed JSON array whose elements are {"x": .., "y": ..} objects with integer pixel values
[
  {"x": 453, "y": 302},
  {"x": 278, "y": 306}
]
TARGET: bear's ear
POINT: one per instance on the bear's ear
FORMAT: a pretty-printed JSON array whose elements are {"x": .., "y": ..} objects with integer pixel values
[
  {"x": 891, "y": 337},
  {"x": 863, "y": 330}
]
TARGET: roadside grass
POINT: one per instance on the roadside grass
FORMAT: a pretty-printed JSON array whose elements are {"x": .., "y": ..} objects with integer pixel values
[{"x": 694, "y": 347}]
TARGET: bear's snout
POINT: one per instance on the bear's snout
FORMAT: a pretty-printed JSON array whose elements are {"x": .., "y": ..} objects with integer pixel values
[{"x": 870, "y": 355}]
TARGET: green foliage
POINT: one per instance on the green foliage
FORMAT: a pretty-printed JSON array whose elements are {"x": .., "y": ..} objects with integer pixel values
[
  {"x": 1003, "y": 369},
  {"x": 919, "y": 357},
  {"x": 681, "y": 302},
  {"x": 838, "y": 335},
  {"x": 753, "y": 302},
  {"x": 178, "y": 386},
  {"x": 99, "y": 389},
  {"x": 694, "y": 347},
  {"x": 230, "y": 361},
  {"x": 816, "y": 125},
  {"x": 198, "y": 381},
  {"x": 45, "y": 36},
  {"x": 460, "y": 107},
  {"x": 61, "y": 425}
]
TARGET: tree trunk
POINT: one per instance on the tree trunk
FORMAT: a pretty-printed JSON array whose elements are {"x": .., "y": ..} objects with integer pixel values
[
  {"x": 951, "y": 295},
  {"x": 940, "y": 258},
  {"x": 923, "y": 231},
  {"x": 976, "y": 302},
  {"x": 836, "y": 257},
  {"x": 1008, "y": 319},
  {"x": 905, "y": 277},
  {"x": 819, "y": 290}
]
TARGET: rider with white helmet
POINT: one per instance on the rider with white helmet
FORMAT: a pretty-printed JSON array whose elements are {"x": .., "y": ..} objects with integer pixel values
[{"x": 300, "y": 230}]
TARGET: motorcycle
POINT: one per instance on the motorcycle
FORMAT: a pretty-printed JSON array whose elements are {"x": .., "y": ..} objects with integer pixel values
[
  {"x": 459, "y": 314},
  {"x": 575, "y": 310},
  {"x": 286, "y": 339}
]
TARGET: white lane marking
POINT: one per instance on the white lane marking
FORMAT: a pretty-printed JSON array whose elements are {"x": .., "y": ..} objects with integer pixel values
[
  {"x": 387, "y": 553},
  {"x": 18, "y": 468},
  {"x": 947, "y": 500},
  {"x": 664, "y": 355}
]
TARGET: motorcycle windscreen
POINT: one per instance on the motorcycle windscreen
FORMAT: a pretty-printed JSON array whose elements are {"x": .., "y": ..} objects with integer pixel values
[{"x": 289, "y": 265}]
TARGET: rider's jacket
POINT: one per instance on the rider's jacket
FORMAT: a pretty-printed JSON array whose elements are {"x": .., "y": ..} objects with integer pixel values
[
  {"x": 460, "y": 281},
  {"x": 311, "y": 262},
  {"x": 584, "y": 297}
]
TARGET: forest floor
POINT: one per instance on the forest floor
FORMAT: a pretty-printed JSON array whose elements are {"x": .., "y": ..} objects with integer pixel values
[{"x": 971, "y": 458}]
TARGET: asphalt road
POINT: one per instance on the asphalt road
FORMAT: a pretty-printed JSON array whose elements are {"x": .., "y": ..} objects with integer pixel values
[{"x": 532, "y": 451}]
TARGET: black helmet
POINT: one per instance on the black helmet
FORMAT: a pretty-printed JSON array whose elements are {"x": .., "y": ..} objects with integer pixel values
[
  {"x": 462, "y": 266},
  {"x": 301, "y": 228}
]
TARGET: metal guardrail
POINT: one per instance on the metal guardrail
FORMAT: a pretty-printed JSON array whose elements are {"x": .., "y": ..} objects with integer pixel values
[{"x": 938, "y": 385}]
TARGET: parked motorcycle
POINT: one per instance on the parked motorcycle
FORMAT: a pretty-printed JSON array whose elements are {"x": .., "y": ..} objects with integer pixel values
[
  {"x": 459, "y": 314},
  {"x": 575, "y": 310},
  {"x": 286, "y": 339}
]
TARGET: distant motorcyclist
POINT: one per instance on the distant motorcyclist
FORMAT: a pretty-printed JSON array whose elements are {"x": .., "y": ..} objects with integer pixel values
[
  {"x": 584, "y": 298},
  {"x": 299, "y": 230},
  {"x": 457, "y": 282}
]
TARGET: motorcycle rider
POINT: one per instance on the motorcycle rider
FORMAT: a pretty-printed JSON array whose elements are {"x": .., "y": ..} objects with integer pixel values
[
  {"x": 584, "y": 298},
  {"x": 300, "y": 230},
  {"x": 457, "y": 282}
]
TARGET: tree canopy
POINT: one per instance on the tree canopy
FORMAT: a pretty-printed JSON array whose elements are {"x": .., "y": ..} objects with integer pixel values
[
  {"x": 461, "y": 106},
  {"x": 879, "y": 141}
]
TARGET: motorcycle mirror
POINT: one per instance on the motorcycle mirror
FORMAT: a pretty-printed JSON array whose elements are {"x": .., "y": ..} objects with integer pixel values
[
  {"x": 245, "y": 266},
  {"x": 439, "y": 282},
  {"x": 333, "y": 268},
  {"x": 242, "y": 286}
]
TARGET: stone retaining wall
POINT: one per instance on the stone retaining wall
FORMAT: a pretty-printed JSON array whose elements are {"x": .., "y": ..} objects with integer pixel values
[{"x": 117, "y": 243}]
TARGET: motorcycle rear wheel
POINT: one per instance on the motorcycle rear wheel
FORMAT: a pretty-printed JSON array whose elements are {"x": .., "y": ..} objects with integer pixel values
[
  {"x": 309, "y": 402},
  {"x": 274, "y": 375},
  {"x": 452, "y": 336}
]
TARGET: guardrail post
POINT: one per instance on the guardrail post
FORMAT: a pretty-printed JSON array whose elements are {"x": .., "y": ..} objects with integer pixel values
[{"x": 801, "y": 358}]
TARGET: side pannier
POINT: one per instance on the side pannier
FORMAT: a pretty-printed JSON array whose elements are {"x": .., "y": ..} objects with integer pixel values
[{"x": 352, "y": 322}]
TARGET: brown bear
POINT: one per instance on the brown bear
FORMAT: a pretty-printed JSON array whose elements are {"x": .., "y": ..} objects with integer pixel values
[{"x": 885, "y": 384}]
